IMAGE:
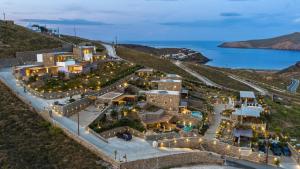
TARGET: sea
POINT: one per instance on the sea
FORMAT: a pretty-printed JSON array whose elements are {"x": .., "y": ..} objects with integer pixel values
[{"x": 264, "y": 59}]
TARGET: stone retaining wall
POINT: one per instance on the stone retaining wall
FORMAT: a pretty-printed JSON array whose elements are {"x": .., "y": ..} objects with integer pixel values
[
  {"x": 72, "y": 108},
  {"x": 112, "y": 133},
  {"x": 174, "y": 160},
  {"x": 216, "y": 147},
  {"x": 161, "y": 136}
]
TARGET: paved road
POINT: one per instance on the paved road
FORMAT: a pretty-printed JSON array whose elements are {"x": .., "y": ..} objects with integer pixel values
[
  {"x": 111, "y": 51},
  {"x": 205, "y": 80},
  {"x": 261, "y": 90},
  {"x": 293, "y": 87}
]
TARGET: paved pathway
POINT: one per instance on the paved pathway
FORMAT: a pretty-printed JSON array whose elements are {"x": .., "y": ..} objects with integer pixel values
[{"x": 211, "y": 132}]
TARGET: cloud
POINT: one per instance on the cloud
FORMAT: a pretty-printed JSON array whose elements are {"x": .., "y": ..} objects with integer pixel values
[
  {"x": 226, "y": 22},
  {"x": 64, "y": 21},
  {"x": 230, "y": 14}
]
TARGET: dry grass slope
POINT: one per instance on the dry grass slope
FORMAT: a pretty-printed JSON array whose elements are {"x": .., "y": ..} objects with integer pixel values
[
  {"x": 14, "y": 38},
  {"x": 152, "y": 61},
  {"x": 27, "y": 141}
]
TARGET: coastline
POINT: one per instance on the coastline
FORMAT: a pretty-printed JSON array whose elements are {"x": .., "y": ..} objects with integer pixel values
[{"x": 232, "y": 58}]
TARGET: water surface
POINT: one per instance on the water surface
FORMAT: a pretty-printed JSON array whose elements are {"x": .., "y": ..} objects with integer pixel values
[{"x": 234, "y": 57}]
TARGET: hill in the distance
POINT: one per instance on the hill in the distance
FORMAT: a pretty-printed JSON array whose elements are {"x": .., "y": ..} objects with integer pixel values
[
  {"x": 291, "y": 72},
  {"x": 285, "y": 42},
  {"x": 15, "y": 38},
  {"x": 193, "y": 56}
]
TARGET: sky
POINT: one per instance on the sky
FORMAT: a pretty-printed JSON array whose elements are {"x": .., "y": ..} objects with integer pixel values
[{"x": 150, "y": 20}]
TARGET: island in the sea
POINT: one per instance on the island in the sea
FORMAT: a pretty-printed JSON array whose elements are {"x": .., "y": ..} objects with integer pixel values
[{"x": 285, "y": 42}]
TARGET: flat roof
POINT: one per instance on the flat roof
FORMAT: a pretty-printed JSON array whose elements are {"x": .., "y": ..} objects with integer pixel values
[
  {"x": 162, "y": 92},
  {"x": 145, "y": 70},
  {"x": 86, "y": 46},
  {"x": 110, "y": 95},
  {"x": 26, "y": 66},
  {"x": 247, "y": 94},
  {"x": 184, "y": 91},
  {"x": 172, "y": 75},
  {"x": 167, "y": 80},
  {"x": 250, "y": 111}
]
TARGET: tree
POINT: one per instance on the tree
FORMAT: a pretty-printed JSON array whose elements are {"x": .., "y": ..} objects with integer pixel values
[{"x": 114, "y": 114}]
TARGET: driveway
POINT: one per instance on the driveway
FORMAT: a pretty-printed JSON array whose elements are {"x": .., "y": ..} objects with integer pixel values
[{"x": 211, "y": 132}]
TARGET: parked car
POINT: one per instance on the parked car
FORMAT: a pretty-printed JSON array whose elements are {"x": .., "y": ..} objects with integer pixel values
[
  {"x": 286, "y": 151},
  {"x": 262, "y": 148},
  {"x": 124, "y": 135},
  {"x": 275, "y": 148}
]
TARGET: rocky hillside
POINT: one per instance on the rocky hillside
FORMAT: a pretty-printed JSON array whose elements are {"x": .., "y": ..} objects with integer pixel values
[
  {"x": 192, "y": 56},
  {"x": 285, "y": 42},
  {"x": 15, "y": 38}
]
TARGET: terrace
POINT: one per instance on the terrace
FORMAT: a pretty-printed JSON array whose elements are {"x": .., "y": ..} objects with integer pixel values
[{"x": 105, "y": 74}]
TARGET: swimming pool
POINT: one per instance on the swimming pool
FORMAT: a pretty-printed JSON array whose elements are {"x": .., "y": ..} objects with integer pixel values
[
  {"x": 187, "y": 128},
  {"x": 197, "y": 114}
]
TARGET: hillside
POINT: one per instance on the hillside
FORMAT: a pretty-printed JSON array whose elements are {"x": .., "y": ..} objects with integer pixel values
[
  {"x": 28, "y": 141},
  {"x": 291, "y": 72},
  {"x": 193, "y": 56},
  {"x": 148, "y": 60},
  {"x": 285, "y": 42},
  {"x": 15, "y": 38}
]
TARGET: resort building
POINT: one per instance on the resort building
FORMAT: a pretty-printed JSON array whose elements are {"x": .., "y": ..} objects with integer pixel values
[
  {"x": 247, "y": 98},
  {"x": 84, "y": 53},
  {"x": 51, "y": 59},
  {"x": 23, "y": 72},
  {"x": 248, "y": 116},
  {"x": 168, "y": 84},
  {"x": 167, "y": 100},
  {"x": 145, "y": 72},
  {"x": 247, "y": 119}
]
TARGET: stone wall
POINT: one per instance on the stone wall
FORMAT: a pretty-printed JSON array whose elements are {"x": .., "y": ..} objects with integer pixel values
[
  {"x": 112, "y": 133},
  {"x": 169, "y": 85},
  {"x": 216, "y": 147},
  {"x": 174, "y": 160},
  {"x": 164, "y": 101},
  {"x": 72, "y": 108},
  {"x": 162, "y": 136}
]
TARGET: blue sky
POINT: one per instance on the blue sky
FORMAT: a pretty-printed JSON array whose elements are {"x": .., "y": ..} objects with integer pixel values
[{"x": 161, "y": 19}]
